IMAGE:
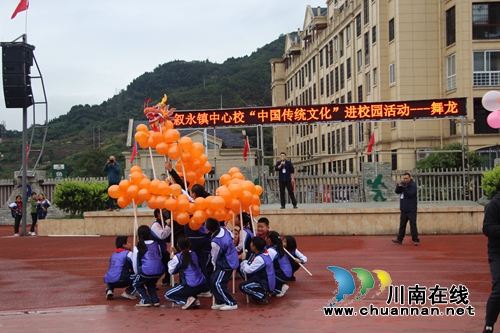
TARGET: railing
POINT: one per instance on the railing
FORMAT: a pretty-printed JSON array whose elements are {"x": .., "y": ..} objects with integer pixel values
[{"x": 433, "y": 186}]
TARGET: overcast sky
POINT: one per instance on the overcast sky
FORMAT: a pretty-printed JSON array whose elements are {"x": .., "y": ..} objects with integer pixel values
[{"x": 88, "y": 50}]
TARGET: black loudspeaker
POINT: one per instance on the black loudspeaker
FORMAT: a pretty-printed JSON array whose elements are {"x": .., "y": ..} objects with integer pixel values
[{"x": 17, "y": 59}]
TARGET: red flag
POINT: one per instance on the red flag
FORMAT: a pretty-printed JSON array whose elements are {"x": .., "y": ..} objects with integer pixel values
[
  {"x": 370, "y": 145},
  {"x": 23, "y": 5},
  {"x": 246, "y": 149},
  {"x": 134, "y": 152}
]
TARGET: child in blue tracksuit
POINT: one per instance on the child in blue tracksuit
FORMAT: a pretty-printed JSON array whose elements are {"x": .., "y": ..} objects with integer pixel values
[
  {"x": 245, "y": 236},
  {"x": 282, "y": 266},
  {"x": 119, "y": 274},
  {"x": 297, "y": 258},
  {"x": 225, "y": 260},
  {"x": 148, "y": 267},
  {"x": 192, "y": 279},
  {"x": 260, "y": 268},
  {"x": 160, "y": 235}
]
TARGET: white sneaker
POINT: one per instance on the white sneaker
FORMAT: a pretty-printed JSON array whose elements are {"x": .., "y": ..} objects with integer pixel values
[
  {"x": 284, "y": 288},
  {"x": 16, "y": 235},
  {"x": 229, "y": 307},
  {"x": 197, "y": 303},
  {"x": 205, "y": 294},
  {"x": 189, "y": 302},
  {"x": 32, "y": 233},
  {"x": 128, "y": 296},
  {"x": 218, "y": 306},
  {"x": 109, "y": 294}
]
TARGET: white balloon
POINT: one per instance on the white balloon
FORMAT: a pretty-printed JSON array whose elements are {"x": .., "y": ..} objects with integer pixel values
[{"x": 491, "y": 100}]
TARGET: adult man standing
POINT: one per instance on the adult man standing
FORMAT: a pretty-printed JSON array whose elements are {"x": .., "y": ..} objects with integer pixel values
[
  {"x": 408, "y": 207},
  {"x": 491, "y": 229},
  {"x": 112, "y": 167},
  {"x": 286, "y": 179}
]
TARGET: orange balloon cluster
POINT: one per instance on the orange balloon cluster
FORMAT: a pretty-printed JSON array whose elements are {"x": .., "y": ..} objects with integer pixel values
[{"x": 169, "y": 142}]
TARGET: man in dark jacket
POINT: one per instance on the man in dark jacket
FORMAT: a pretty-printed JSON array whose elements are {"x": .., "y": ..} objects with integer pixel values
[
  {"x": 286, "y": 178},
  {"x": 407, "y": 189},
  {"x": 112, "y": 167},
  {"x": 491, "y": 229}
]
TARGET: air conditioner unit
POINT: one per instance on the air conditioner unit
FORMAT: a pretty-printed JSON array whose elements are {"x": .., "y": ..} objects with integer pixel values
[{"x": 423, "y": 153}]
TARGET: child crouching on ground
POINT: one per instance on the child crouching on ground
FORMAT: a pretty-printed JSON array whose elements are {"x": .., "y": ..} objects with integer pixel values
[
  {"x": 290, "y": 244},
  {"x": 282, "y": 266},
  {"x": 119, "y": 274},
  {"x": 192, "y": 280},
  {"x": 260, "y": 271},
  {"x": 148, "y": 267}
]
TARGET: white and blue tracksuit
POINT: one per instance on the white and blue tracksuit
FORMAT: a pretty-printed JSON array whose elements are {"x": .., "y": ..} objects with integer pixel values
[
  {"x": 262, "y": 279},
  {"x": 119, "y": 274},
  {"x": 225, "y": 260},
  {"x": 148, "y": 269},
  {"x": 282, "y": 268}
]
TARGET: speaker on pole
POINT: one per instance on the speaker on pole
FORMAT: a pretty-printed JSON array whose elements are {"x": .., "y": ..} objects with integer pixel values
[{"x": 17, "y": 59}]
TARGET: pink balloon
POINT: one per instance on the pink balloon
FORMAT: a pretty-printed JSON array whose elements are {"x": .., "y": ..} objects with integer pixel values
[
  {"x": 491, "y": 100},
  {"x": 494, "y": 119}
]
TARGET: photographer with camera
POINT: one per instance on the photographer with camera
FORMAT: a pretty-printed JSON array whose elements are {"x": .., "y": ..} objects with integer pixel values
[
  {"x": 112, "y": 167},
  {"x": 407, "y": 189}
]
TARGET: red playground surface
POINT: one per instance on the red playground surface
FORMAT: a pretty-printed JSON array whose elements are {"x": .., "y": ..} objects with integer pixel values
[{"x": 55, "y": 284}]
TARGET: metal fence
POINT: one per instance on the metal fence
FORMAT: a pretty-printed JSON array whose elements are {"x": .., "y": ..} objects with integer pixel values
[{"x": 433, "y": 186}]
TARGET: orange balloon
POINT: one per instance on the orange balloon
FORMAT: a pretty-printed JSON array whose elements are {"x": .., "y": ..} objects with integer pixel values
[
  {"x": 143, "y": 195},
  {"x": 249, "y": 186},
  {"x": 157, "y": 138},
  {"x": 255, "y": 210},
  {"x": 200, "y": 180},
  {"x": 185, "y": 143},
  {"x": 224, "y": 179},
  {"x": 191, "y": 208},
  {"x": 246, "y": 198},
  {"x": 141, "y": 137},
  {"x": 210, "y": 213},
  {"x": 171, "y": 204},
  {"x": 114, "y": 191},
  {"x": 183, "y": 218},
  {"x": 174, "y": 152},
  {"x": 151, "y": 142},
  {"x": 197, "y": 149},
  {"x": 135, "y": 178},
  {"x": 255, "y": 200},
  {"x": 236, "y": 190},
  {"x": 258, "y": 190},
  {"x": 193, "y": 225},
  {"x": 235, "y": 206},
  {"x": 200, "y": 204},
  {"x": 153, "y": 188},
  {"x": 145, "y": 183},
  {"x": 176, "y": 190},
  {"x": 132, "y": 191},
  {"x": 160, "y": 201},
  {"x": 203, "y": 159},
  {"x": 220, "y": 214},
  {"x": 124, "y": 184},
  {"x": 199, "y": 216},
  {"x": 162, "y": 148},
  {"x": 168, "y": 125},
  {"x": 206, "y": 168},
  {"x": 135, "y": 168},
  {"x": 224, "y": 193},
  {"x": 142, "y": 128},
  {"x": 186, "y": 156},
  {"x": 152, "y": 202},
  {"x": 233, "y": 170},
  {"x": 163, "y": 188},
  {"x": 238, "y": 175},
  {"x": 217, "y": 203},
  {"x": 191, "y": 176},
  {"x": 123, "y": 201},
  {"x": 144, "y": 144},
  {"x": 183, "y": 205}
]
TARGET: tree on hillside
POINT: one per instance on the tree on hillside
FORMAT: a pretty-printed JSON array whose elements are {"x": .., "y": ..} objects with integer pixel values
[{"x": 449, "y": 160}]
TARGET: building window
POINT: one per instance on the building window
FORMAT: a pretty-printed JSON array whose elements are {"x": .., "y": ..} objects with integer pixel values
[
  {"x": 394, "y": 159},
  {"x": 331, "y": 53},
  {"x": 321, "y": 58},
  {"x": 374, "y": 35},
  {"x": 309, "y": 70},
  {"x": 344, "y": 148},
  {"x": 348, "y": 68},
  {"x": 314, "y": 91},
  {"x": 358, "y": 25},
  {"x": 314, "y": 64},
  {"x": 323, "y": 142},
  {"x": 486, "y": 20},
  {"x": 348, "y": 34},
  {"x": 391, "y": 30},
  {"x": 392, "y": 73},
  {"x": 368, "y": 83},
  {"x": 327, "y": 85},
  {"x": 360, "y": 94},
  {"x": 337, "y": 86},
  {"x": 349, "y": 97},
  {"x": 366, "y": 12},
  {"x": 450, "y": 26},
  {"x": 367, "y": 48},
  {"x": 349, "y": 134},
  {"x": 486, "y": 68},
  {"x": 342, "y": 82},
  {"x": 375, "y": 77},
  {"x": 453, "y": 127},
  {"x": 326, "y": 55},
  {"x": 360, "y": 60},
  {"x": 451, "y": 73},
  {"x": 321, "y": 88},
  {"x": 331, "y": 82},
  {"x": 342, "y": 99}
]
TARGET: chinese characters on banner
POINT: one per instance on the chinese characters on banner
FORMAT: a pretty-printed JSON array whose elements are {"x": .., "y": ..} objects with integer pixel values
[{"x": 442, "y": 108}]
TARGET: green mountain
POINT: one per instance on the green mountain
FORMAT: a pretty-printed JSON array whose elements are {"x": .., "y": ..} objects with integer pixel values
[{"x": 93, "y": 132}]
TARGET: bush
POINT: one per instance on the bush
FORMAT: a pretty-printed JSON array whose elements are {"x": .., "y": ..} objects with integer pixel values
[
  {"x": 490, "y": 182},
  {"x": 76, "y": 197}
]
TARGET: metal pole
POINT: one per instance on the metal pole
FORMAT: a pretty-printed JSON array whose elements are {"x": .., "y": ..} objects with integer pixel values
[{"x": 24, "y": 200}]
